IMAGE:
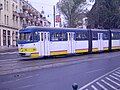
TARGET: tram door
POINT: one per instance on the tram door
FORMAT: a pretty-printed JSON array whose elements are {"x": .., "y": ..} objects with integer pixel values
[
  {"x": 44, "y": 44},
  {"x": 71, "y": 42},
  {"x": 100, "y": 41}
]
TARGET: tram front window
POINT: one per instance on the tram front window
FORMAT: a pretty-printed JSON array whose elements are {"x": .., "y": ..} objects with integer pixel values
[{"x": 26, "y": 37}]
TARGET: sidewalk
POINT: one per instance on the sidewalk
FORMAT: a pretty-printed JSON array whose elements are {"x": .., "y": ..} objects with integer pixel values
[{"x": 7, "y": 49}]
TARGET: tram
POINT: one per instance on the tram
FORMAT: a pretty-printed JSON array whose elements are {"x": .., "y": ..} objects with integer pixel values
[{"x": 42, "y": 41}]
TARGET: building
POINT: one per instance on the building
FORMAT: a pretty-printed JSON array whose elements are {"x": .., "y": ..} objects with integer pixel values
[
  {"x": 29, "y": 16},
  {"x": 8, "y": 22},
  {"x": 46, "y": 23},
  {"x": 15, "y": 15}
]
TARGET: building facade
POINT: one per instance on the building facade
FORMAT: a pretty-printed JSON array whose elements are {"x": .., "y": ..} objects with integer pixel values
[
  {"x": 15, "y": 15},
  {"x": 8, "y": 22}
]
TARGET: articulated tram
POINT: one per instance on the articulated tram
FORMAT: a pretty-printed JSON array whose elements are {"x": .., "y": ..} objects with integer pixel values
[{"x": 40, "y": 41}]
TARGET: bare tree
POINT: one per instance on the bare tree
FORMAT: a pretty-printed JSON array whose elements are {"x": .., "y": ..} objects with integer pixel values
[{"x": 71, "y": 9}]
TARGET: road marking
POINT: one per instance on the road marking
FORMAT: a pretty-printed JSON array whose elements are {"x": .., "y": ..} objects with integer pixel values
[
  {"x": 116, "y": 74},
  {"x": 114, "y": 77},
  {"x": 98, "y": 78},
  {"x": 108, "y": 84},
  {"x": 95, "y": 70},
  {"x": 94, "y": 87},
  {"x": 101, "y": 86},
  {"x": 112, "y": 81},
  {"x": 22, "y": 87}
]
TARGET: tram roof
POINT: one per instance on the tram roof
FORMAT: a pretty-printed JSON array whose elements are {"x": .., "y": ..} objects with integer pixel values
[
  {"x": 49, "y": 29},
  {"x": 99, "y": 30},
  {"x": 115, "y": 30},
  {"x": 33, "y": 29}
]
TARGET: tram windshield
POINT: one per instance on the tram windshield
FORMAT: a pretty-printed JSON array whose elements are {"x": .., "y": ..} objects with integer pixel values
[
  {"x": 29, "y": 37},
  {"x": 26, "y": 36}
]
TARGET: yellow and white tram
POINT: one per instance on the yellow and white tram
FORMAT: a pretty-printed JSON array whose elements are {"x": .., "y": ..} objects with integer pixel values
[
  {"x": 115, "y": 39},
  {"x": 39, "y": 41}
]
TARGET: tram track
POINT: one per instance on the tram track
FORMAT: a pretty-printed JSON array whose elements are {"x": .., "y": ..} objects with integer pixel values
[
  {"x": 18, "y": 65},
  {"x": 8, "y": 62},
  {"x": 21, "y": 65},
  {"x": 17, "y": 62}
]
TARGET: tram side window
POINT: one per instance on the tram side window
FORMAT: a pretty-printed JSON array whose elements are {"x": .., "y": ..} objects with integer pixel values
[
  {"x": 84, "y": 36},
  {"x": 41, "y": 36},
  {"x": 36, "y": 36},
  {"x": 78, "y": 36},
  {"x": 55, "y": 36},
  {"x": 105, "y": 36},
  {"x": 81, "y": 36},
  {"x": 94, "y": 36},
  {"x": 48, "y": 36},
  {"x": 115, "y": 35},
  {"x": 62, "y": 36},
  {"x": 118, "y": 35}
]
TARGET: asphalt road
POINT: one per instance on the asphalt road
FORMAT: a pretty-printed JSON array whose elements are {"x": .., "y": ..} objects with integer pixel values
[{"x": 90, "y": 72}]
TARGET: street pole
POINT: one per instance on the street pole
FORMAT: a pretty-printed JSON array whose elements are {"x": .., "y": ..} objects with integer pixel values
[{"x": 54, "y": 14}]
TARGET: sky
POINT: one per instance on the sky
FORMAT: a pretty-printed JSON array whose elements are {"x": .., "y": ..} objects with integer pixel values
[{"x": 46, "y": 5}]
